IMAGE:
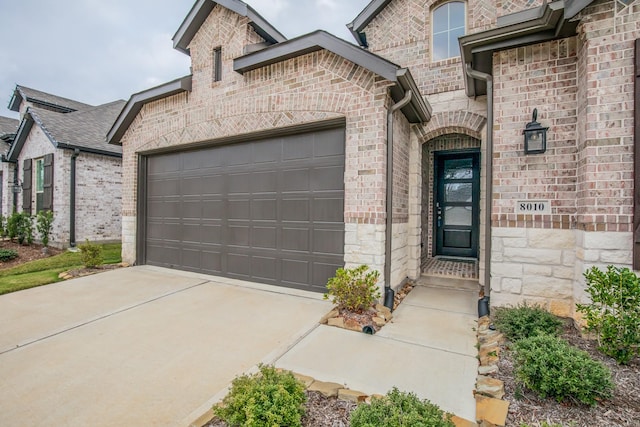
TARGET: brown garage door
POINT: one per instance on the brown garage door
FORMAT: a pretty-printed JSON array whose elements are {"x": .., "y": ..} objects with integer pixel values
[{"x": 268, "y": 211}]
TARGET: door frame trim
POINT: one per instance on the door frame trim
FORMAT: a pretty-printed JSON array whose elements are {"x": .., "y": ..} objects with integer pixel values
[{"x": 436, "y": 155}]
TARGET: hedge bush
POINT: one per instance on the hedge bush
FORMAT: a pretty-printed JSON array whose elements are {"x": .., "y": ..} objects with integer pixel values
[
  {"x": 267, "y": 399},
  {"x": 400, "y": 409},
  {"x": 8, "y": 255},
  {"x": 524, "y": 321},
  {"x": 91, "y": 254},
  {"x": 354, "y": 289},
  {"x": 552, "y": 368}
]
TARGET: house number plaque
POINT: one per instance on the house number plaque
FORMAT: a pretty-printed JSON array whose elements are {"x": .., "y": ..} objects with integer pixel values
[{"x": 533, "y": 206}]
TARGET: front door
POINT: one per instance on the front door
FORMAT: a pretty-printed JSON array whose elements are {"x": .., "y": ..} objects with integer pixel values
[{"x": 457, "y": 215}]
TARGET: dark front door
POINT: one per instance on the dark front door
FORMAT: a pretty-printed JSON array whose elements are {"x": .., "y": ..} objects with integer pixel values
[{"x": 457, "y": 216}]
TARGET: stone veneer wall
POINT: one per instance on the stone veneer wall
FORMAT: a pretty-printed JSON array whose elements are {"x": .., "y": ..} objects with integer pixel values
[
  {"x": 310, "y": 88},
  {"x": 6, "y": 202}
]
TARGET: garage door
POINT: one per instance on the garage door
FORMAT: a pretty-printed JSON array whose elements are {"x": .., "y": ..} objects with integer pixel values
[{"x": 268, "y": 211}]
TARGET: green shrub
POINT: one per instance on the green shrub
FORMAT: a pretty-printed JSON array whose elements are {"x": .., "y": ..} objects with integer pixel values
[
  {"x": 524, "y": 321},
  {"x": 552, "y": 368},
  {"x": 8, "y": 255},
  {"x": 399, "y": 409},
  {"x": 3, "y": 226},
  {"x": 91, "y": 254},
  {"x": 44, "y": 224},
  {"x": 269, "y": 398},
  {"x": 614, "y": 313},
  {"x": 20, "y": 227},
  {"x": 354, "y": 289}
]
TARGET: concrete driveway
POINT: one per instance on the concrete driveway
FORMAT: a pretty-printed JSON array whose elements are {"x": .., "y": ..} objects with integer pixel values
[{"x": 138, "y": 346}]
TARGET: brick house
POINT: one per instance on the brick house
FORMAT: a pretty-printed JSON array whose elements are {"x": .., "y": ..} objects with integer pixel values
[
  {"x": 270, "y": 162},
  {"x": 8, "y": 129},
  {"x": 61, "y": 162}
]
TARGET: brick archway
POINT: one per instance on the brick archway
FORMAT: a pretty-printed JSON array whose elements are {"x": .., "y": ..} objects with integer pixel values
[{"x": 454, "y": 122}]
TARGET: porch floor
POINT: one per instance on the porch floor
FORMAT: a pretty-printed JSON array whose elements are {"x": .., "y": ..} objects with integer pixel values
[{"x": 451, "y": 267}]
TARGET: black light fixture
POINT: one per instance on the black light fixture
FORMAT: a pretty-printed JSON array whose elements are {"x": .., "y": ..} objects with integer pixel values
[
  {"x": 535, "y": 136},
  {"x": 16, "y": 187}
]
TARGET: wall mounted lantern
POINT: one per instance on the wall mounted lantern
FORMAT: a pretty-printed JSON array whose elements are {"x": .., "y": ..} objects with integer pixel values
[
  {"x": 16, "y": 187},
  {"x": 535, "y": 136}
]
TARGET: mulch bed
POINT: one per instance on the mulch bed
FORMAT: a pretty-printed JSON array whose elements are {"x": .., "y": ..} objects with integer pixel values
[
  {"x": 25, "y": 253},
  {"x": 623, "y": 409}
]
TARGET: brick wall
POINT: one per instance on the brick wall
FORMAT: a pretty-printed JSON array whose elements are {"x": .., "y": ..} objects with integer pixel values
[
  {"x": 98, "y": 191},
  {"x": 541, "y": 76},
  {"x": 310, "y": 88}
]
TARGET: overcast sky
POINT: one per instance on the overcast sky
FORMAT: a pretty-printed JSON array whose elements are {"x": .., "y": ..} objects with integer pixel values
[{"x": 97, "y": 51}]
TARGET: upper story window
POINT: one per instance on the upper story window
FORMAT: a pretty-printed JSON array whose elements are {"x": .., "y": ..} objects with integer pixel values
[{"x": 448, "y": 23}]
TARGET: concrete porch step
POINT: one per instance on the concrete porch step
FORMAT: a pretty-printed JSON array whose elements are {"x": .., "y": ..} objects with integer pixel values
[{"x": 439, "y": 281}]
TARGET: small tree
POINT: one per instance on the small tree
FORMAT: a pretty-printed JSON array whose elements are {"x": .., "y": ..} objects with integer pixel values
[
  {"x": 614, "y": 313},
  {"x": 3, "y": 226},
  {"x": 13, "y": 222},
  {"x": 354, "y": 289},
  {"x": 44, "y": 224}
]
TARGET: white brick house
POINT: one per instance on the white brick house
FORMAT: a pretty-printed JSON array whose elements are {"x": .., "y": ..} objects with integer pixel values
[
  {"x": 223, "y": 169},
  {"x": 65, "y": 165},
  {"x": 8, "y": 129}
]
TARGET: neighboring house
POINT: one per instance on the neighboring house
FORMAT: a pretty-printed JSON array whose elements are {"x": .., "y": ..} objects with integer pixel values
[
  {"x": 269, "y": 162},
  {"x": 8, "y": 128},
  {"x": 65, "y": 165}
]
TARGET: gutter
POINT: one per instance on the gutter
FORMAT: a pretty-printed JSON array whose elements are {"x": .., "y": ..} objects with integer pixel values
[
  {"x": 488, "y": 79},
  {"x": 388, "y": 292},
  {"x": 72, "y": 200}
]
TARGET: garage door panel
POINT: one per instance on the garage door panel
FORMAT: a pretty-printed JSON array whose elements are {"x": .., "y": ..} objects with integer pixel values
[
  {"x": 295, "y": 180},
  {"x": 264, "y": 237},
  {"x": 329, "y": 144},
  {"x": 264, "y": 182},
  {"x": 295, "y": 209},
  {"x": 270, "y": 211},
  {"x": 327, "y": 178},
  {"x": 328, "y": 241},
  {"x": 328, "y": 210},
  {"x": 239, "y": 209},
  {"x": 297, "y": 147},
  {"x": 295, "y": 239}
]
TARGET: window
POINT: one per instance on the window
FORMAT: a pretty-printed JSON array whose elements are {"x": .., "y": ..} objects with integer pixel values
[
  {"x": 217, "y": 64},
  {"x": 39, "y": 184},
  {"x": 447, "y": 23}
]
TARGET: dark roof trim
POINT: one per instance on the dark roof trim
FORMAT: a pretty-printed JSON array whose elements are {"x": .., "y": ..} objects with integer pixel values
[
  {"x": 137, "y": 101},
  {"x": 364, "y": 18},
  {"x": 544, "y": 23},
  {"x": 88, "y": 150},
  {"x": 201, "y": 10},
  {"x": 417, "y": 111},
  {"x": 19, "y": 95},
  {"x": 23, "y": 132},
  {"x": 21, "y": 136}
]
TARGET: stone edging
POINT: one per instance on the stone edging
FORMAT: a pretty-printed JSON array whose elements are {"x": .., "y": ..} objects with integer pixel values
[
  {"x": 491, "y": 410},
  {"x": 333, "y": 318},
  {"x": 327, "y": 389}
]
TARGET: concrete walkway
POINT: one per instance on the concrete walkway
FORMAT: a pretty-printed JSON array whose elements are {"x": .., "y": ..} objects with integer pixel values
[
  {"x": 429, "y": 349},
  {"x": 137, "y": 346},
  {"x": 148, "y": 346}
]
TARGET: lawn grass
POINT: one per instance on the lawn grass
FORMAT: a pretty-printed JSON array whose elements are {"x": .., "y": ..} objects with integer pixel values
[{"x": 46, "y": 271}]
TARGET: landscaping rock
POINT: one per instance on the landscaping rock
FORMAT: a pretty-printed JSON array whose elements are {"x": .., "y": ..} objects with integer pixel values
[
  {"x": 490, "y": 387},
  {"x": 491, "y": 410},
  {"x": 352, "y": 325},
  {"x": 351, "y": 395},
  {"x": 333, "y": 313},
  {"x": 306, "y": 380},
  {"x": 326, "y": 389},
  {"x": 336, "y": 321},
  {"x": 379, "y": 321}
]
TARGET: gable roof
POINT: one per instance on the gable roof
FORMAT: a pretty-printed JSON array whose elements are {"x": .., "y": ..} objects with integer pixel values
[
  {"x": 45, "y": 100},
  {"x": 417, "y": 111},
  {"x": 84, "y": 130},
  {"x": 201, "y": 10},
  {"x": 8, "y": 125},
  {"x": 551, "y": 21},
  {"x": 369, "y": 12}
]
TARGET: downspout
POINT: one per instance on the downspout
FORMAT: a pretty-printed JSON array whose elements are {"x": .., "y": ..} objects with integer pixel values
[
  {"x": 488, "y": 78},
  {"x": 388, "y": 292},
  {"x": 16, "y": 183},
  {"x": 72, "y": 200}
]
